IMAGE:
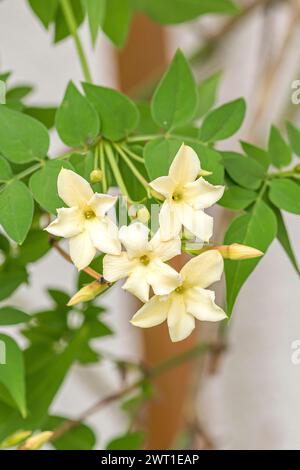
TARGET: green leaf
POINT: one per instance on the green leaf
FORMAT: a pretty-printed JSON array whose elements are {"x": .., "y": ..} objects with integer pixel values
[
  {"x": 12, "y": 371},
  {"x": 285, "y": 194},
  {"x": 118, "y": 16},
  {"x": 96, "y": 14},
  {"x": 5, "y": 170},
  {"x": 16, "y": 210},
  {"x": 34, "y": 247},
  {"x": 80, "y": 437},
  {"x": 279, "y": 151},
  {"x": 256, "y": 229},
  {"x": 10, "y": 280},
  {"x": 175, "y": 99},
  {"x": 237, "y": 198},
  {"x": 210, "y": 160},
  {"x": 284, "y": 240},
  {"x": 158, "y": 156},
  {"x": 224, "y": 121},
  {"x": 243, "y": 170},
  {"x": 294, "y": 138},
  {"x": 44, "y": 10},
  {"x": 43, "y": 185},
  {"x": 179, "y": 11},
  {"x": 60, "y": 298},
  {"x": 62, "y": 30},
  {"x": 129, "y": 441},
  {"x": 76, "y": 119},
  {"x": 22, "y": 138},
  {"x": 118, "y": 114},
  {"x": 46, "y": 115},
  {"x": 82, "y": 164},
  {"x": 146, "y": 123},
  {"x": 261, "y": 156},
  {"x": 12, "y": 316},
  {"x": 18, "y": 93},
  {"x": 207, "y": 91}
]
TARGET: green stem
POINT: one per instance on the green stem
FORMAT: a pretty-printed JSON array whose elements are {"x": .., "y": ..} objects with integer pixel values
[
  {"x": 96, "y": 158},
  {"x": 144, "y": 138},
  {"x": 72, "y": 25},
  {"x": 103, "y": 169},
  {"x": 130, "y": 165},
  {"x": 133, "y": 155},
  {"x": 115, "y": 170},
  {"x": 29, "y": 170}
]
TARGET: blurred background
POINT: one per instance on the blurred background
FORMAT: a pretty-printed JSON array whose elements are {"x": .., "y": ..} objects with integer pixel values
[{"x": 248, "y": 397}]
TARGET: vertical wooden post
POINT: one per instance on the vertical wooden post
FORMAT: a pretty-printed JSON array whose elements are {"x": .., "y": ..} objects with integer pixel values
[{"x": 144, "y": 54}]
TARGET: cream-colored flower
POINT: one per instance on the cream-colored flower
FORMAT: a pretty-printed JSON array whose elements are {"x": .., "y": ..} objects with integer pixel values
[
  {"x": 143, "y": 262},
  {"x": 188, "y": 301},
  {"x": 84, "y": 222},
  {"x": 186, "y": 197}
]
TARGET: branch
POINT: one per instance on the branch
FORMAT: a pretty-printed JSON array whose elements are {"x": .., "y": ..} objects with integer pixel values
[
  {"x": 151, "y": 374},
  {"x": 90, "y": 271}
]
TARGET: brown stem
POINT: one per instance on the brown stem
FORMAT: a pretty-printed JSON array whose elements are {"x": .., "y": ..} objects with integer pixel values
[
  {"x": 90, "y": 271},
  {"x": 173, "y": 362}
]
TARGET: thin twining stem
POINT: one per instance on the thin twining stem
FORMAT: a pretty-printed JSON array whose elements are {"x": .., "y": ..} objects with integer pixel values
[
  {"x": 72, "y": 25},
  {"x": 90, "y": 271},
  {"x": 151, "y": 374},
  {"x": 103, "y": 168},
  {"x": 115, "y": 170}
]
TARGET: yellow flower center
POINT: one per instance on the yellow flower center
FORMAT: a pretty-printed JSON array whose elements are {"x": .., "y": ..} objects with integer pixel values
[
  {"x": 89, "y": 214},
  {"x": 145, "y": 260},
  {"x": 179, "y": 289},
  {"x": 177, "y": 197}
]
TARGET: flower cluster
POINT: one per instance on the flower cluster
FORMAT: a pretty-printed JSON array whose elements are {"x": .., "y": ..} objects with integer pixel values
[{"x": 178, "y": 298}]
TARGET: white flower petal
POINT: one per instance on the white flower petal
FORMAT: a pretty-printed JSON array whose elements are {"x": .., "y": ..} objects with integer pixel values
[
  {"x": 101, "y": 203},
  {"x": 104, "y": 235},
  {"x": 196, "y": 221},
  {"x": 117, "y": 267},
  {"x": 137, "y": 284},
  {"x": 185, "y": 167},
  {"x": 162, "y": 277},
  {"x": 153, "y": 313},
  {"x": 134, "y": 238},
  {"x": 201, "y": 194},
  {"x": 73, "y": 189},
  {"x": 201, "y": 303},
  {"x": 82, "y": 250},
  {"x": 180, "y": 323},
  {"x": 163, "y": 185},
  {"x": 203, "y": 270},
  {"x": 169, "y": 222},
  {"x": 69, "y": 222},
  {"x": 165, "y": 250}
]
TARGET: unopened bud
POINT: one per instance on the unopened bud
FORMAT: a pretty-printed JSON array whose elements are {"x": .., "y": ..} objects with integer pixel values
[
  {"x": 15, "y": 439},
  {"x": 236, "y": 251},
  {"x": 204, "y": 173},
  {"x": 88, "y": 292},
  {"x": 143, "y": 215},
  {"x": 96, "y": 176},
  {"x": 36, "y": 442}
]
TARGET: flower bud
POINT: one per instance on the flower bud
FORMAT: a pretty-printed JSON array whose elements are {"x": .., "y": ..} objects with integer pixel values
[
  {"x": 204, "y": 173},
  {"x": 88, "y": 292},
  {"x": 236, "y": 251},
  {"x": 36, "y": 442},
  {"x": 143, "y": 215},
  {"x": 15, "y": 439},
  {"x": 96, "y": 176}
]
